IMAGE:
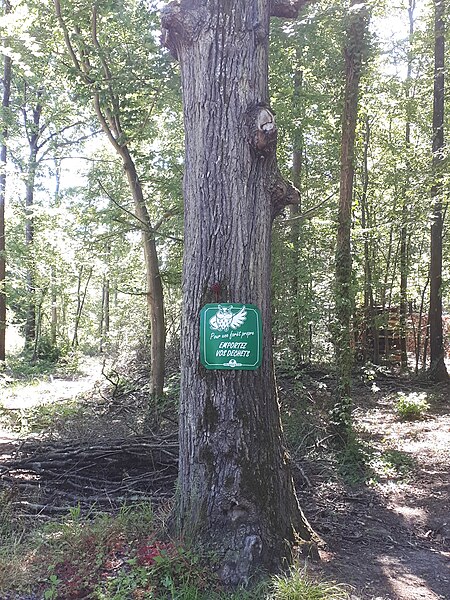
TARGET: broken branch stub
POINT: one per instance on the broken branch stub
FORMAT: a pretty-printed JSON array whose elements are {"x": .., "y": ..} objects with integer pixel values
[
  {"x": 283, "y": 193},
  {"x": 287, "y": 9},
  {"x": 180, "y": 25}
]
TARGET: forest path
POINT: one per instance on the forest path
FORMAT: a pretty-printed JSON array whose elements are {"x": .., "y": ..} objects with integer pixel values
[
  {"x": 20, "y": 395},
  {"x": 390, "y": 537}
]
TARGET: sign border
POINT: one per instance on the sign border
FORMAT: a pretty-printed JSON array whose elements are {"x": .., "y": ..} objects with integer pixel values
[{"x": 221, "y": 366}]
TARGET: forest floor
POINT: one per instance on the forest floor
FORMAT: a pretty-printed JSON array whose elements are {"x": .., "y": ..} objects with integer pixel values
[
  {"x": 386, "y": 523},
  {"x": 382, "y": 508}
]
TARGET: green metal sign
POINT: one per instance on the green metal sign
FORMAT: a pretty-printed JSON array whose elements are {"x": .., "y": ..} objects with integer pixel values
[{"x": 230, "y": 337}]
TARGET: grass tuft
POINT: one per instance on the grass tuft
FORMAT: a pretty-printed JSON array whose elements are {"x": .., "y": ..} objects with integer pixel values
[{"x": 297, "y": 585}]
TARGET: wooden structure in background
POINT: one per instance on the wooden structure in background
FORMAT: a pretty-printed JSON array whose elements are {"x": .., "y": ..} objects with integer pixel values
[{"x": 378, "y": 337}]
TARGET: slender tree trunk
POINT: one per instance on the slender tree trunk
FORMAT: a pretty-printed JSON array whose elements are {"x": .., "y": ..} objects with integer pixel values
[
  {"x": 33, "y": 139},
  {"x": 404, "y": 286},
  {"x": 419, "y": 327},
  {"x": 405, "y": 204},
  {"x": 54, "y": 311},
  {"x": 106, "y": 309},
  {"x": 54, "y": 298},
  {"x": 370, "y": 320},
  {"x": 295, "y": 233},
  {"x": 81, "y": 297},
  {"x": 235, "y": 486},
  {"x": 3, "y": 152},
  {"x": 354, "y": 53},
  {"x": 30, "y": 323},
  {"x": 438, "y": 370},
  {"x": 109, "y": 116},
  {"x": 155, "y": 292},
  {"x": 104, "y": 319},
  {"x": 38, "y": 327}
]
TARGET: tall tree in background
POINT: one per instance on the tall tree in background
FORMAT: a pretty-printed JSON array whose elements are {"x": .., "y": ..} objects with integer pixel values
[
  {"x": 405, "y": 203},
  {"x": 355, "y": 52},
  {"x": 235, "y": 484},
  {"x": 3, "y": 150},
  {"x": 438, "y": 370},
  {"x": 93, "y": 60},
  {"x": 33, "y": 131}
]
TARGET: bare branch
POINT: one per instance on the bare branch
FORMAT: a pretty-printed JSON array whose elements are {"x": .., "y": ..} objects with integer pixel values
[
  {"x": 88, "y": 158},
  {"x": 65, "y": 143},
  {"x": 311, "y": 211},
  {"x": 129, "y": 212},
  {"x": 169, "y": 213},
  {"x": 56, "y": 133}
]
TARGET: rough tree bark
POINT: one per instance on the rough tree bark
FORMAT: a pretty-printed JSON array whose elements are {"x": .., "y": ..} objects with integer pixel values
[
  {"x": 235, "y": 485},
  {"x": 3, "y": 153},
  {"x": 354, "y": 54},
  {"x": 438, "y": 370}
]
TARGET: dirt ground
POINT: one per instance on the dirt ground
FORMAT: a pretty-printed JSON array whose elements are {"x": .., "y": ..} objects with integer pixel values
[
  {"x": 387, "y": 534},
  {"x": 390, "y": 537}
]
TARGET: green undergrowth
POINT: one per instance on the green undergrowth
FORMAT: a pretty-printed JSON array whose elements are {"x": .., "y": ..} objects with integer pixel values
[
  {"x": 25, "y": 367},
  {"x": 412, "y": 406},
  {"x": 45, "y": 418},
  {"x": 124, "y": 556},
  {"x": 360, "y": 463},
  {"x": 353, "y": 461},
  {"x": 304, "y": 404}
]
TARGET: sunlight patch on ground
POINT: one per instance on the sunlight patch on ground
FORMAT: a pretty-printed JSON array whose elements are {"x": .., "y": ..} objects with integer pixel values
[
  {"x": 42, "y": 392},
  {"x": 22, "y": 395},
  {"x": 410, "y": 514},
  {"x": 404, "y": 583},
  {"x": 429, "y": 435}
]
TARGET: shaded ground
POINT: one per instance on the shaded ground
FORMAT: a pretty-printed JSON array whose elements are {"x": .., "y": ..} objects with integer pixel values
[
  {"x": 389, "y": 537},
  {"x": 383, "y": 509}
]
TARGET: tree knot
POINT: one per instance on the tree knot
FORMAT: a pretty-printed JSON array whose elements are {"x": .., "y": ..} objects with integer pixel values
[{"x": 262, "y": 129}]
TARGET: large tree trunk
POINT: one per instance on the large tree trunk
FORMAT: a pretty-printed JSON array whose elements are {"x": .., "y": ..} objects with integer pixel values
[
  {"x": 3, "y": 150},
  {"x": 438, "y": 370},
  {"x": 235, "y": 485},
  {"x": 344, "y": 295}
]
